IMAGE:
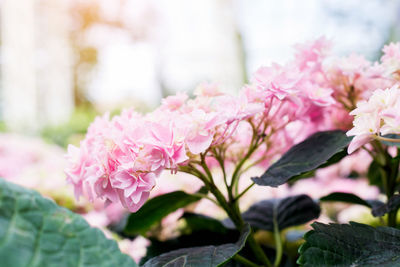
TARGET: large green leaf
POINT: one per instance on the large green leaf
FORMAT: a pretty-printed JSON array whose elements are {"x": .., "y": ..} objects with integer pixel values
[
  {"x": 155, "y": 209},
  {"x": 351, "y": 244},
  {"x": 306, "y": 156},
  {"x": 34, "y": 231},
  {"x": 198, "y": 231},
  {"x": 290, "y": 211},
  {"x": 206, "y": 256}
]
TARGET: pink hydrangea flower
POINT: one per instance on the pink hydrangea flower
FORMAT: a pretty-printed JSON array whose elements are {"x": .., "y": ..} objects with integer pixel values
[
  {"x": 280, "y": 81},
  {"x": 311, "y": 54},
  {"x": 121, "y": 158},
  {"x": 375, "y": 117}
]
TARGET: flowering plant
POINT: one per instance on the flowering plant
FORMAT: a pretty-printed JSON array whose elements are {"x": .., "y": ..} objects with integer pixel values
[
  {"x": 290, "y": 120},
  {"x": 121, "y": 158}
]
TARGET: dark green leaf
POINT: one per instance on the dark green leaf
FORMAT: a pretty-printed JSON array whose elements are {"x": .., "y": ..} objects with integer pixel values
[
  {"x": 351, "y": 244},
  {"x": 392, "y": 205},
  {"x": 155, "y": 209},
  {"x": 199, "y": 230},
  {"x": 290, "y": 211},
  {"x": 392, "y": 136},
  {"x": 374, "y": 174},
  {"x": 376, "y": 205},
  {"x": 194, "y": 239},
  {"x": 34, "y": 231},
  {"x": 207, "y": 256},
  {"x": 314, "y": 152},
  {"x": 198, "y": 222},
  {"x": 345, "y": 197}
]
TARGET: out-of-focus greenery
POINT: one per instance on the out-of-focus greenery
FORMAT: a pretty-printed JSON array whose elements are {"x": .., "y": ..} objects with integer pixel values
[
  {"x": 72, "y": 131},
  {"x": 3, "y": 126}
]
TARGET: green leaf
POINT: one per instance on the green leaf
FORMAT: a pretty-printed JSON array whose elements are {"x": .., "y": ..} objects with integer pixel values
[
  {"x": 155, "y": 209},
  {"x": 196, "y": 236},
  {"x": 34, "y": 231},
  {"x": 392, "y": 205},
  {"x": 290, "y": 211},
  {"x": 206, "y": 256},
  {"x": 199, "y": 230},
  {"x": 376, "y": 205},
  {"x": 345, "y": 197},
  {"x": 374, "y": 173},
  {"x": 197, "y": 222},
  {"x": 392, "y": 136},
  {"x": 351, "y": 244},
  {"x": 316, "y": 151}
]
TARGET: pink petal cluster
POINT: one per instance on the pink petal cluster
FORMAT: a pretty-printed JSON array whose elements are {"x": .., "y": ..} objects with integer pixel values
[
  {"x": 379, "y": 115},
  {"x": 121, "y": 158}
]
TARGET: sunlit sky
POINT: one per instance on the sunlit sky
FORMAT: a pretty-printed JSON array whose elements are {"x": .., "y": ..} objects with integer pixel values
[
  {"x": 194, "y": 41},
  {"x": 166, "y": 46}
]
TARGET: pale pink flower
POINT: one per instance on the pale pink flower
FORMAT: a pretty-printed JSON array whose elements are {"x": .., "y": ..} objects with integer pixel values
[
  {"x": 174, "y": 102},
  {"x": 279, "y": 81},
  {"x": 207, "y": 90},
  {"x": 377, "y": 116},
  {"x": 311, "y": 54},
  {"x": 391, "y": 57},
  {"x": 200, "y": 129},
  {"x": 319, "y": 95}
]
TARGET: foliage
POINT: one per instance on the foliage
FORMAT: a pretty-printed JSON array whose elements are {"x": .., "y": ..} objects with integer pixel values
[
  {"x": 34, "y": 231},
  {"x": 200, "y": 256},
  {"x": 71, "y": 131},
  {"x": 353, "y": 244},
  {"x": 290, "y": 121},
  {"x": 304, "y": 157},
  {"x": 155, "y": 209}
]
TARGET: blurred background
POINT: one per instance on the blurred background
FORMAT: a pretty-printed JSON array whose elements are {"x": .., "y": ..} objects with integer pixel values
[
  {"x": 65, "y": 61},
  {"x": 63, "y": 58}
]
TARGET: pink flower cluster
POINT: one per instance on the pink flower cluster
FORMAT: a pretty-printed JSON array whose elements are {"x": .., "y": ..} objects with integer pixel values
[
  {"x": 380, "y": 115},
  {"x": 120, "y": 158}
]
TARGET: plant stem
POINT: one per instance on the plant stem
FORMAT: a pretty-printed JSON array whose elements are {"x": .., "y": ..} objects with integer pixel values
[
  {"x": 278, "y": 241},
  {"x": 244, "y": 191},
  {"x": 206, "y": 197},
  {"x": 387, "y": 139},
  {"x": 389, "y": 173},
  {"x": 235, "y": 175},
  {"x": 231, "y": 208},
  {"x": 257, "y": 250},
  {"x": 244, "y": 261},
  {"x": 222, "y": 165}
]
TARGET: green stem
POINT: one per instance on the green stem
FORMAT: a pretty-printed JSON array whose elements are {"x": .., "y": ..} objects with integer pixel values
[
  {"x": 233, "y": 211},
  {"x": 257, "y": 250},
  {"x": 235, "y": 175},
  {"x": 387, "y": 139},
  {"x": 278, "y": 242},
  {"x": 206, "y": 197},
  {"x": 394, "y": 173},
  {"x": 392, "y": 219},
  {"x": 244, "y": 191},
  {"x": 205, "y": 167},
  {"x": 244, "y": 261},
  {"x": 389, "y": 172},
  {"x": 222, "y": 165}
]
